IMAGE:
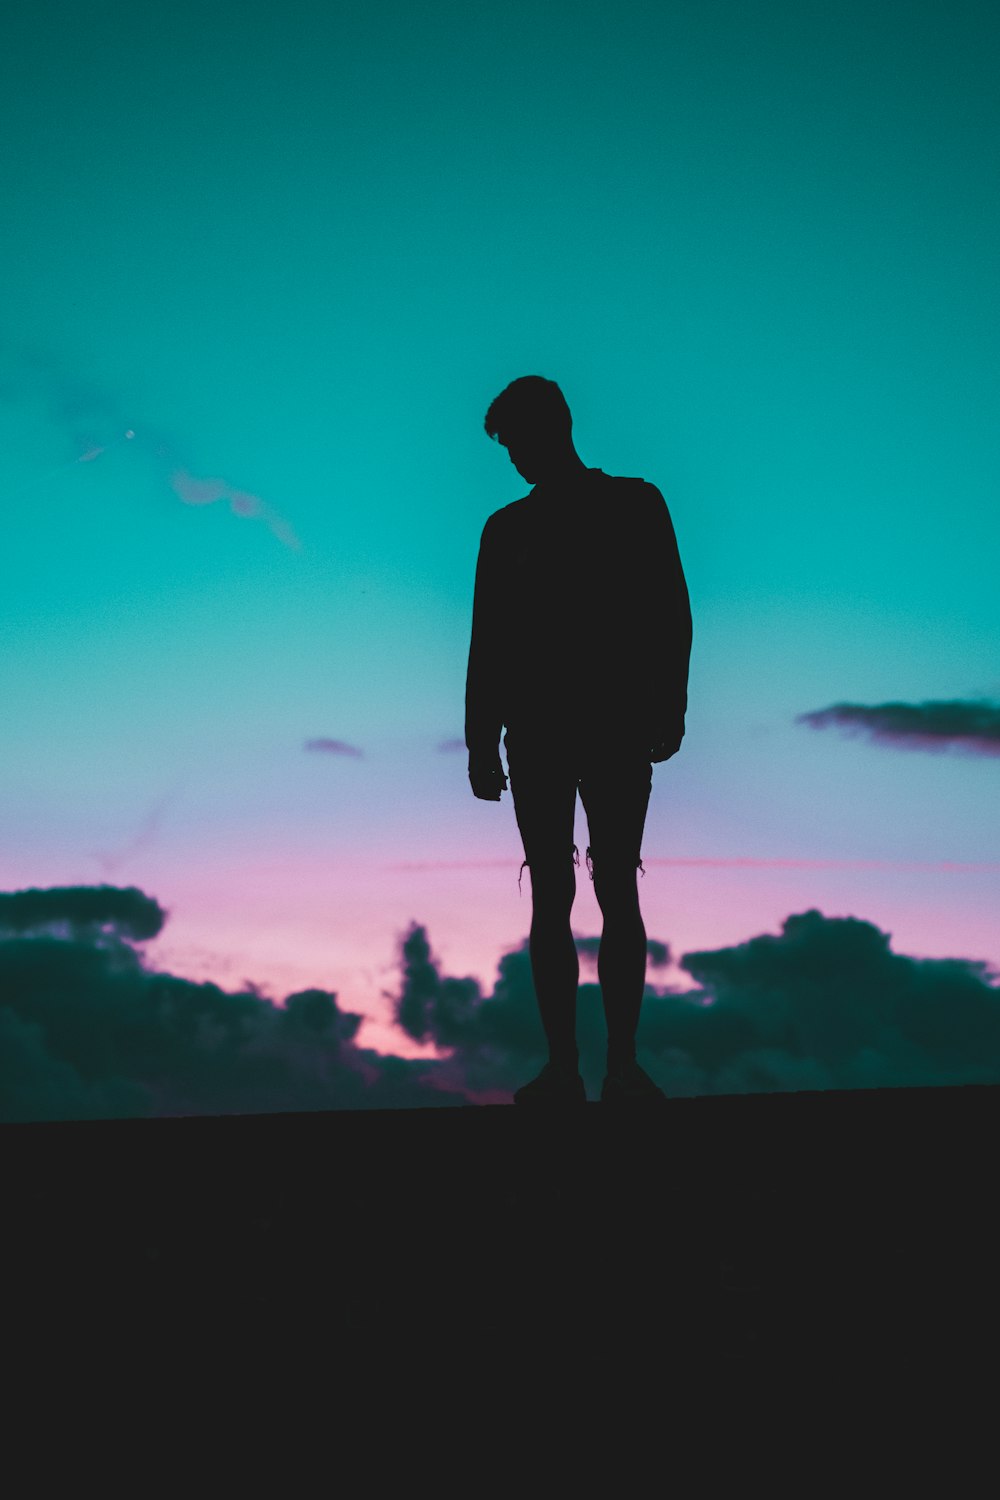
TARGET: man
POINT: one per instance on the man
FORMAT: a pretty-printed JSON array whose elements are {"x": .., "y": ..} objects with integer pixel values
[{"x": 581, "y": 640}]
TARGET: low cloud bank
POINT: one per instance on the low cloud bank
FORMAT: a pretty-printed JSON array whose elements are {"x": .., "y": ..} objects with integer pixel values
[
  {"x": 89, "y": 1031},
  {"x": 825, "y": 1004}
]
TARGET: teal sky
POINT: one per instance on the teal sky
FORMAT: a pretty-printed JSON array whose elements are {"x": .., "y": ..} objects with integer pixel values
[{"x": 297, "y": 250}]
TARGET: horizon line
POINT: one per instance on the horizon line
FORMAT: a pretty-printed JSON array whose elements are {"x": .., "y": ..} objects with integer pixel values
[{"x": 736, "y": 862}]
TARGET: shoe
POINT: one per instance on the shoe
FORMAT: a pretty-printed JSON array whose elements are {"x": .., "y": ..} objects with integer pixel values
[
  {"x": 630, "y": 1085},
  {"x": 553, "y": 1086}
]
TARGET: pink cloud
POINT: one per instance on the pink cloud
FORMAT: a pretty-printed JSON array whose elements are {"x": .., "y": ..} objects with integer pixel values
[{"x": 195, "y": 491}]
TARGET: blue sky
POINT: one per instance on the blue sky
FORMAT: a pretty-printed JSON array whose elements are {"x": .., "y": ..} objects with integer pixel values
[{"x": 296, "y": 251}]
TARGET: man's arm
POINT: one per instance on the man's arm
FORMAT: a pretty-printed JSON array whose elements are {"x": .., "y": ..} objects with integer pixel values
[
  {"x": 671, "y": 630},
  {"x": 483, "y": 715}
]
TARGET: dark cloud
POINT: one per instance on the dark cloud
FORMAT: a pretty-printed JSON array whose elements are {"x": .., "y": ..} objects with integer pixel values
[
  {"x": 969, "y": 724},
  {"x": 82, "y": 911},
  {"x": 334, "y": 747},
  {"x": 87, "y": 1030},
  {"x": 827, "y": 1004},
  {"x": 495, "y": 1040},
  {"x": 657, "y": 954},
  {"x": 824, "y": 1005},
  {"x": 37, "y": 1084}
]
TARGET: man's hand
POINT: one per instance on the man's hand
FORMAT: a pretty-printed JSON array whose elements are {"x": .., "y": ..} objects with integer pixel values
[
  {"x": 487, "y": 777},
  {"x": 667, "y": 742}
]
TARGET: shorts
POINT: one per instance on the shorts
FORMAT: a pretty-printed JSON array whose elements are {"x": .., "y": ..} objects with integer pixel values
[{"x": 614, "y": 786}]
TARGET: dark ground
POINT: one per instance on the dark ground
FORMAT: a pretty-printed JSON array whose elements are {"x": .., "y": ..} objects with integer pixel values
[{"x": 741, "y": 1239}]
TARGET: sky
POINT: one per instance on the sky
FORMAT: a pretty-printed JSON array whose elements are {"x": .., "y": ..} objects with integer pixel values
[{"x": 265, "y": 267}]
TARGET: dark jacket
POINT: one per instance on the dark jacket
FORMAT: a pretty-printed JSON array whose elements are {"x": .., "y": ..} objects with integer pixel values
[{"x": 581, "y": 621}]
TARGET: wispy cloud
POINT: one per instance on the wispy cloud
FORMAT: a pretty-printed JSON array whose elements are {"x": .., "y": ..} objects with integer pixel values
[
  {"x": 92, "y": 419},
  {"x": 144, "y": 836},
  {"x": 334, "y": 747},
  {"x": 963, "y": 724},
  {"x": 195, "y": 491}
]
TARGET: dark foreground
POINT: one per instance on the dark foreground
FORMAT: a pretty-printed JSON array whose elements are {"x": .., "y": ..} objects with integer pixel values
[{"x": 744, "y": 1236}]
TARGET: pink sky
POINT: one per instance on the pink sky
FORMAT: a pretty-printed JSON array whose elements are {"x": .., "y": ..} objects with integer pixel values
[
  {"x": 292, "y": 922},
  {"x": 306, "y": 918},
  {"x": 288, "y": 924}
]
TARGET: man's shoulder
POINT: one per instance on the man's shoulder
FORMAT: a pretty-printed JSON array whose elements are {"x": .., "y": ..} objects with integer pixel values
[
  {"x": 619, "y": 484},
  {"x": 638, "y": 486},
  {"x": 507, "y": 512},
  {"x": 503, "y": 522},
  {"x": 620, "y": 488},
  {"x": 630, "y": 487}
]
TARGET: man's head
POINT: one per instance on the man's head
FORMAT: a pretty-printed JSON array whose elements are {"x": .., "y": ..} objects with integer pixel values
[{"x": 532, "y": 421}]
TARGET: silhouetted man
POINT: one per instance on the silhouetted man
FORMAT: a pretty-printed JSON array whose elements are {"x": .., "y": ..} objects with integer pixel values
[{"x": 581, "y": 640}]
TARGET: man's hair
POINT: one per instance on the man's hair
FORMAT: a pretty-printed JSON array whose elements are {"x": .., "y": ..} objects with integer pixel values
[{"x": 528, "y": 405}]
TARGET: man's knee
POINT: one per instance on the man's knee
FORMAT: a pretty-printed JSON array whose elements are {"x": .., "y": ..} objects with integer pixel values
[
  {"x": 553, "y": 878},
  {"x": 614, "y": 875}
]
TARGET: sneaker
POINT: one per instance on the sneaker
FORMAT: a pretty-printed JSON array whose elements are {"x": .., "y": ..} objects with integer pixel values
[
  {"x": 553, "y": 1086},
  {"x": 630, "y": 1085}
]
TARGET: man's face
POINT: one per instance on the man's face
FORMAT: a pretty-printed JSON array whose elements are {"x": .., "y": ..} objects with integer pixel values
[{"x": 531, "y": 456}]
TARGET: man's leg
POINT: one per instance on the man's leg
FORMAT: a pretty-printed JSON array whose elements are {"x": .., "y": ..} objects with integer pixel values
[
  {"x": 543, "y": 785},
  {"x": 615, "y": 789},
  {"x": 621, "y": 958},
  {"x": 555, "y": 965}
]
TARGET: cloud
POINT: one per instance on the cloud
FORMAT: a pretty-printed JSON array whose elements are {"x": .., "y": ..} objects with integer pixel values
[
  {"x": 450, "y": 747},
  {"x": 198, "y": 491},
  {"x": 494, "y": 1040},
  {"x": 824, "y": 1005},
  {"x": 144, "y": 836},
  {"x": 965, "y": 724},
  {"x": 334, "y": 747},
  {"x": 86, "y": 912},
  {"x": 83, "y": 411},
  {"x": 88, "y": 1030},
  {"x": 827, "y": 1004},
  {"x": 91, "y": 419},
  {"x": 36, "y": 1084},
  {"x": 657, "y": 954}
]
